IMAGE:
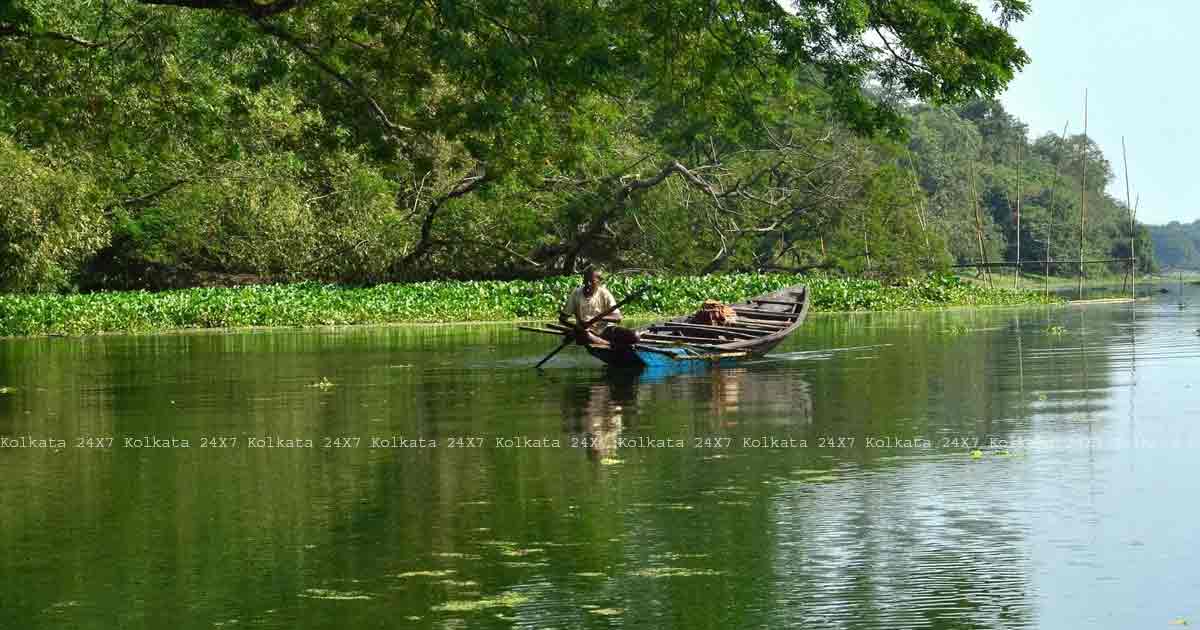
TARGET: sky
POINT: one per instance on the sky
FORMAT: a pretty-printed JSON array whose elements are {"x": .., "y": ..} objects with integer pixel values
[{"x": 1139, "y": 62}]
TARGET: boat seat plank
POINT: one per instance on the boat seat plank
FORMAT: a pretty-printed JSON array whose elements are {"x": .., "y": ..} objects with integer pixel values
[
  {"x": 685, "y": 339},
  {"x": 779, "y": 302},
  {"x": 761, "y": 324},
  {"x": 720, "y": 330},
  {"x": 752, "y": 312}
]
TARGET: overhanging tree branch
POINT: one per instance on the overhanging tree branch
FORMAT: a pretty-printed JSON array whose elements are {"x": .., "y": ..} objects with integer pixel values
[
  {"x": 425, "y": 241},
  {"x": 8, "y": 30},
  {"x": 303, "y": 49},
  {"x": 250, "y": 8}
]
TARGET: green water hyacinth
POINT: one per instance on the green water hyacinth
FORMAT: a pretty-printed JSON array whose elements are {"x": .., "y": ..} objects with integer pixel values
[{"x": 309, "y": 304}]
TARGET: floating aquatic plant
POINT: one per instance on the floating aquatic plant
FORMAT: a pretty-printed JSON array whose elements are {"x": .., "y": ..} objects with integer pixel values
[
  {"x": 311, "y": 304},
  {"x": 324, "y": 593},
  {"x": 431, "y": 573},
  {"x": 663, "y": 572},
  {"x": 503, "y": 600}
]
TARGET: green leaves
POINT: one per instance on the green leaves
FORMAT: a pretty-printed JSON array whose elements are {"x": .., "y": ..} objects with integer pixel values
[{"x": 50, "y": 221}]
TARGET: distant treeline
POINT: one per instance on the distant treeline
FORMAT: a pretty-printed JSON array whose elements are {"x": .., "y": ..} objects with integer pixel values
[
  {"x": 144, "y": 145},
  {"x": 1177, "y": 245}
]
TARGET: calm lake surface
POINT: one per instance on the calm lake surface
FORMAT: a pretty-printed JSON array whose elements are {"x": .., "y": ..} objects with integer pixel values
[{"x": 1032, "y": 468}]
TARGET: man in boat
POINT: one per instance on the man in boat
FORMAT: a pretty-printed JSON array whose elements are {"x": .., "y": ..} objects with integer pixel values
[{"x": 588, "y": 301}]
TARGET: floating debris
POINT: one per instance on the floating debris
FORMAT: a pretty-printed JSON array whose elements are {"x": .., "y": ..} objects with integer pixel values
[
  {"x": 456, "y": 555},
  {"x": 608, "y": 461},
  {"x": 323, "y": 384},
  {"x": 7, "y": 390},
  {"x": 517, "y": 553},
  {"x": 589, "y": 574},
  {"x": 432, "y": 573},
  {"x": 503, "y": 600},
  {"x": 607, "y": 612},
  {"x": 662, "y": 572},
  {"x": 324, "y": 593},
  {"x": 672, "y": 555},
  {"x": 524, "y": 565},
  {"x": 976, "y": 454}
]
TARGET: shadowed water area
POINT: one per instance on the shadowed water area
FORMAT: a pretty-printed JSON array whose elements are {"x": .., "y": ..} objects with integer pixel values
[{"x": 965, "y": 469}]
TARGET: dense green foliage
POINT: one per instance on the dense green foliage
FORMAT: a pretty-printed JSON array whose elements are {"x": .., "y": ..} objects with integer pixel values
[
  {"x": 168, "y": 143},
  {"x": 309, "y": 304},
  {"x": 1177, "y": 245},
  {"x": 358, "y": 141}
]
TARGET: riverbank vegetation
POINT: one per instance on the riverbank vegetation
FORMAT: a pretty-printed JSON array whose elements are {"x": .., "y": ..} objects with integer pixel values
[
  {"x": 179, "y": 143},
  {"x": 309, "y": 304}
]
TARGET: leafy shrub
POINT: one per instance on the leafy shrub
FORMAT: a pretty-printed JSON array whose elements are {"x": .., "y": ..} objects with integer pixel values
[{"x": 50, "y": 221}]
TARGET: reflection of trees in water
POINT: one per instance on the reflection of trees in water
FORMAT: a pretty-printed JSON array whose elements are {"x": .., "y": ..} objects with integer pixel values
[{"x": 905, "y": 547}]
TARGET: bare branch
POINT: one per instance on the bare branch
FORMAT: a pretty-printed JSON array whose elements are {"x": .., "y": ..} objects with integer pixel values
[
  {"x": 8, "y": 30},
  {"x": 425, "y": 241},
  {"x": 148, "y": 197}
]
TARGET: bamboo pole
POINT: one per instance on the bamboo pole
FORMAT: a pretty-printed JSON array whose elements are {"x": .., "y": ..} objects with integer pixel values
[
  {"x": 1083, "y": 192},
  {"x": 919, "y": 199},
  {"x": 1132, "y": 226},
  {"x": 1050, "y": 212},
  {"x": 1017, "y": 269},
  {"x": 979, "y": 225}
]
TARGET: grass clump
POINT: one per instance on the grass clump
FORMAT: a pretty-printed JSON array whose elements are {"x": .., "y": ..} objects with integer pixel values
[{"x": 309, "y": 304}]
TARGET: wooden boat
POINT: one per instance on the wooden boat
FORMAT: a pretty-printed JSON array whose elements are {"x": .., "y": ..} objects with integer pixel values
[{"x": 762, "y": 322}]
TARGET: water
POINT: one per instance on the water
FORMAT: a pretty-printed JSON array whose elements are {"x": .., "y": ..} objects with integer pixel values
[{"x": 1027, "y": 468}]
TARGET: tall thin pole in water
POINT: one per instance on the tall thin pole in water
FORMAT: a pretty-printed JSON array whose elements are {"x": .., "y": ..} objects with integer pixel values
[
  {"x": 1083, "y": 192},
  {"x": 918, "y": 197},
  {"x": 1017, "y": 273},
  {"x": 1050, "y": 211},
  {"x": 1132, "y": 226},
  {"x": 979, "y": 225}
]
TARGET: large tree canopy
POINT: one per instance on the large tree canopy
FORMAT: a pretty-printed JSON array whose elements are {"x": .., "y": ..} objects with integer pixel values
[{"x": 364, "y": 140}]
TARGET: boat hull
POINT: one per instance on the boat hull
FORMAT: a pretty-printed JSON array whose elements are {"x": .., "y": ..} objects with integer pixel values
[{"x": 764, "y": 322}]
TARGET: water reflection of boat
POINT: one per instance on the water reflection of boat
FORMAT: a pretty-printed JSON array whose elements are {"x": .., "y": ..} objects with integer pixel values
[
  {"x": 596, "y": 414},
  {"x": 762, "y": 323}
]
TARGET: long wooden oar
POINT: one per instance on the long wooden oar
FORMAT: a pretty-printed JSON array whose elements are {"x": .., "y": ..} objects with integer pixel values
[
  {"x": 588, "y": 324},
  {"x": 544, "y": 331}
]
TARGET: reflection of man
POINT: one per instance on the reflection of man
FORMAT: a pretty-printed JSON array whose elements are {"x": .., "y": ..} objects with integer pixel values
[
  {"x": 588, "y": 301},
  {"x": 593, "y": 417}
]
